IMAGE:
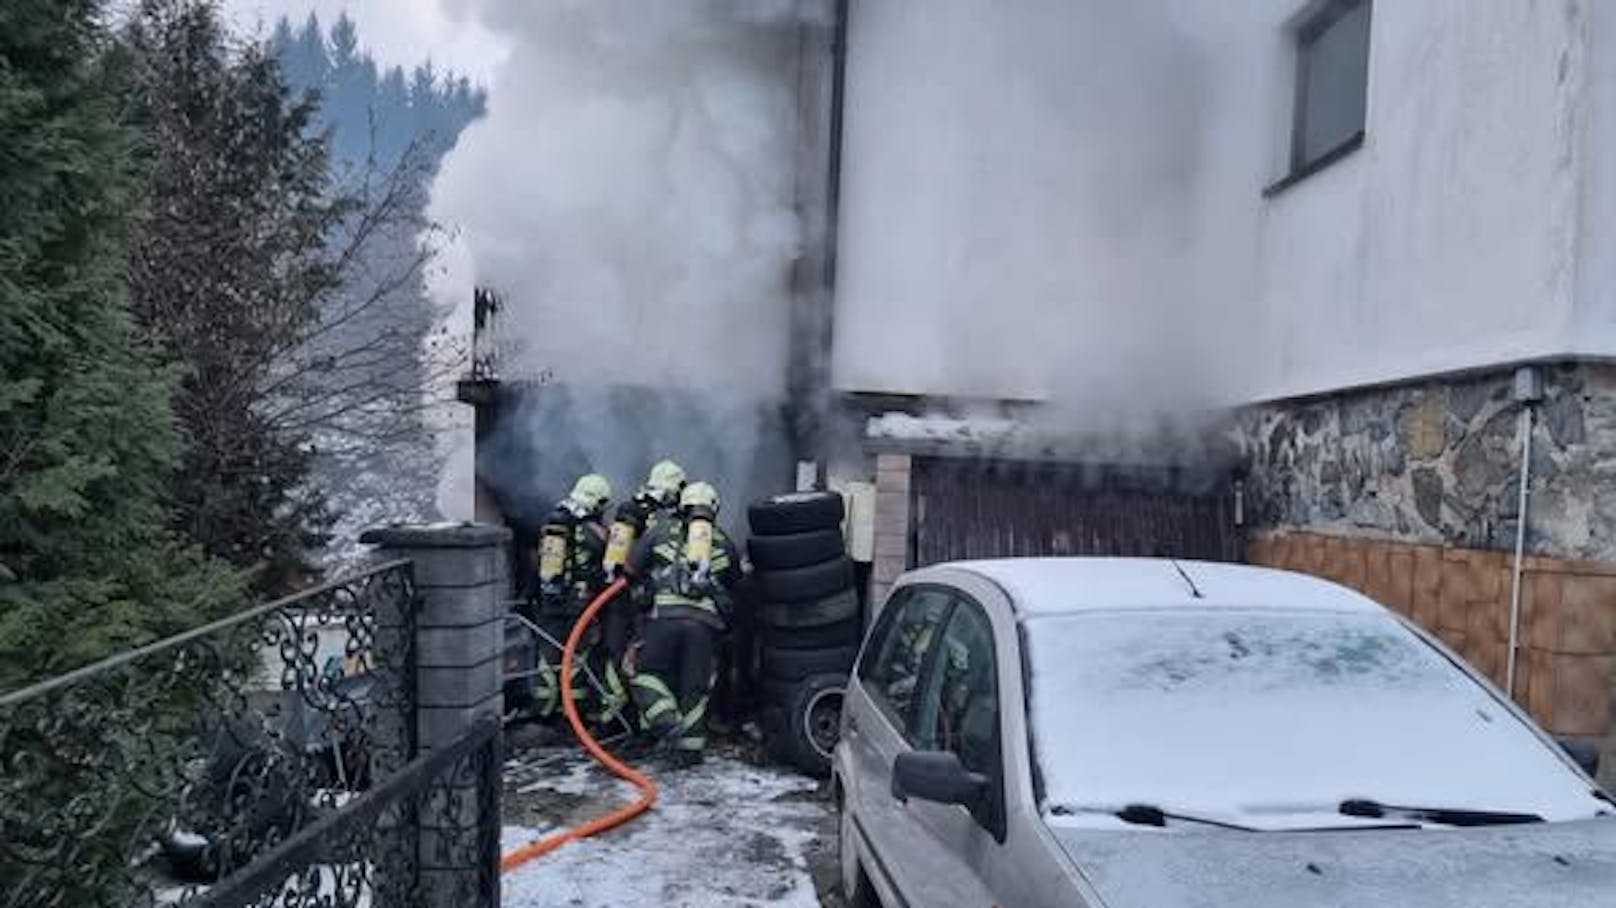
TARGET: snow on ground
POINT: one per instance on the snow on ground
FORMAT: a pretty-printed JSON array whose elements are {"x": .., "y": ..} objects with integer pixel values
[{"x": 726, "y": 834}]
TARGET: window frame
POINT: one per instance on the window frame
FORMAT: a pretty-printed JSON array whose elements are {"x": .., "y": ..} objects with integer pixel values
[
  {"x": 1304, "y": 35},
  {"x": 877, "y": 641}
]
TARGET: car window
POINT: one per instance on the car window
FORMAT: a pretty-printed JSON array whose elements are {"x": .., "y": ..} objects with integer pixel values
[
  {"x": 959, "y": 710},
  {"x": 890, "y": 669}
]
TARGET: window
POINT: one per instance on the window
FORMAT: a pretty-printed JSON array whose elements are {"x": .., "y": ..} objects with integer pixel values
[
  {"x": 1332, "y": 81},
  {"x": 890, "y": 670},
  {"x": 959, "y": 711}
]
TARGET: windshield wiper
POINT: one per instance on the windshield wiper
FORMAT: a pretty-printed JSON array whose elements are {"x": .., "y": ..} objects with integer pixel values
[
  {"x": 1151, "y": 815},
  {"x": 1446, "y": 816}
]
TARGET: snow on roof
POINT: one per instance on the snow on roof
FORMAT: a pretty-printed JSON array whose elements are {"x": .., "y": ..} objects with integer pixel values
[
  {"x": 940, "y": 428},
  {"x": 1053, "y": 586}
]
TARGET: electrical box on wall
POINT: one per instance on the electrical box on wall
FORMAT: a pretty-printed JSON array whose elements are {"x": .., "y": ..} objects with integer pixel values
[{"x": 860, "y": 523}]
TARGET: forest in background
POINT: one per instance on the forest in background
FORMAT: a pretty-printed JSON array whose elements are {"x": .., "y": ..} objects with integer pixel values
[{"x": 213, "y": 313}]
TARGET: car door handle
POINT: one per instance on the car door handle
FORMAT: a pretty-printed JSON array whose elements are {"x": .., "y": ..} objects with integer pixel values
[{"x": 850, "y": 726}]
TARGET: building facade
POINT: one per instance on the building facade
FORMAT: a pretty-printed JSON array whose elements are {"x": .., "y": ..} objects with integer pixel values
[{"x": 1358, "y": 242}]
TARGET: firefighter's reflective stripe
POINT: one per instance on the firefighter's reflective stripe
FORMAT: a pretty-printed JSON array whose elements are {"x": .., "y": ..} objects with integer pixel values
[
  {"x": 690, "y": 742},
  {"x": 670, "y": 577},
  {"x": 669, "y": 553},
  {"x": 615, "y": 696},
  {"x": 670, "y": 597},
  {"x": 696, "y": 716},
  {"x": 658, "y": 706},
  {"x": 547, "y": 688}
]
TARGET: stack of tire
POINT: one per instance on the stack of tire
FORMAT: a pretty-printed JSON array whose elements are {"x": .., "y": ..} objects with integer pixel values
[{"x": 809, "y": 623}]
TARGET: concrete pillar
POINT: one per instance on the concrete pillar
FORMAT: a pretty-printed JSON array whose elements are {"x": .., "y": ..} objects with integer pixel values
[
  {"x": 460, "y": 572},
  {"x": 892, "y": 498}
]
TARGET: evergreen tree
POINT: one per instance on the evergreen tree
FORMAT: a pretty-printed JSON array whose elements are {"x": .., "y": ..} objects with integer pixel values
[
  {"x": 88, "y": 564},
  {"x": 344, "y": 42}
]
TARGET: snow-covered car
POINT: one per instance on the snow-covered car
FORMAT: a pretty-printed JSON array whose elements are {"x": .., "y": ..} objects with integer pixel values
[{"x": 1151, "y": 734}]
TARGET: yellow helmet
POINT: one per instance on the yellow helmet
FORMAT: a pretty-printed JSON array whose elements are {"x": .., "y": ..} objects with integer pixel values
[
  {"x": 666, "y": 478},
  {"x": 592, "y": 491},
  {"x": 699, "y": 495}
]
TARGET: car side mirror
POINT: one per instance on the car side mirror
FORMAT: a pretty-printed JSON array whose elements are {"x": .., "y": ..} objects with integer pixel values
[
  {"x": 938, "y": 776},
  {"x": 1585, "y": 754}
]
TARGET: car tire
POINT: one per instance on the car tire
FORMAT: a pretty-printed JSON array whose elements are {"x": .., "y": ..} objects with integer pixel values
[
  {"x": 774, "y": 553},
  {"x": 809, "y": 722},
  {"x": 796, "y": 664},
  {"x": 804, "y": 584},
  {"x": 830, "y": 636},
  {"x": 842, "y": 606},
  {"x": 796, "y": 512}
]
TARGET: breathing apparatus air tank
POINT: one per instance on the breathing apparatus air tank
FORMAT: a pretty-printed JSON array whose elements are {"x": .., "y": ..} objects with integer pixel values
[
  {"x": 620, "y": 539},
  {"x": 699, "y": 502},
  {"x": 553, "y": 542}
]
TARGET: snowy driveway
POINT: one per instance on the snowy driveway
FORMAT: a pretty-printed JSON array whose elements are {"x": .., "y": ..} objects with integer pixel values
[{"x": 727, "y": 834}]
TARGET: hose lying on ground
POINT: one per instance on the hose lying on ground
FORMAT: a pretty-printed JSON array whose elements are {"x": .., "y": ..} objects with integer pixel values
[{"x": 648, "y": 789}]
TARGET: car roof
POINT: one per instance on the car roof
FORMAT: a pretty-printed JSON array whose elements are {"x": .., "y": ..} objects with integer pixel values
[{"x": 1060, "y": 586}]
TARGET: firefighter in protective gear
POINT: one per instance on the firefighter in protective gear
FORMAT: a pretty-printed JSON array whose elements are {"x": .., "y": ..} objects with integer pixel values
[
  {"x": 656, "y": 500},
  {"x": 568, "y": 575},
  {"x": 690, "y": 566}
]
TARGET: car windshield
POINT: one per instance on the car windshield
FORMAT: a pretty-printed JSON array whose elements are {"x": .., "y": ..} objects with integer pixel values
[{"x": 1273, "y": 718}]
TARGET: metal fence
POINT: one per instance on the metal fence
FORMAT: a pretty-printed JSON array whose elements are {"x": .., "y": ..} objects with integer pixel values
[{"x": 265, "y": 759}]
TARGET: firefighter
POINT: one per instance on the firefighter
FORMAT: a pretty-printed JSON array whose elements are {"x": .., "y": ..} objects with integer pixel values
[
  {"x": 690, "y": 566},
  {"x": 568, "y": 575},
  {"x": 656, "y": 500}
]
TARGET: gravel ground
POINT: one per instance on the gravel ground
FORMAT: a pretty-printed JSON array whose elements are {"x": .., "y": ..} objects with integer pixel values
[{"x": 731, "y": 833}]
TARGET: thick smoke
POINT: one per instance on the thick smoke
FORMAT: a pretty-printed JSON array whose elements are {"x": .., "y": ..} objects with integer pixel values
[
  {"x": 1028, "y": 215},
  {"x": 630, "y": 194}
]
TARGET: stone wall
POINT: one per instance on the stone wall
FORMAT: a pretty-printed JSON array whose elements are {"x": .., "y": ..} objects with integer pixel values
[
  {"x": 1566, "y": 662},
  {"x": 1437, "y": 462}
]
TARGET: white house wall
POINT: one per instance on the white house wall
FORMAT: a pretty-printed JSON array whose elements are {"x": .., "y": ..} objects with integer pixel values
[
  {"x": 1448, "y": 241},
  {"x": 1052, "y": 197}
]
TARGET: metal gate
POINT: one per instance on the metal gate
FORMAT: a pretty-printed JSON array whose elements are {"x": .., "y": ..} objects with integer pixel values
[
  {"x": 269, "y": 758},
  {"x": 966, "y": 509}
]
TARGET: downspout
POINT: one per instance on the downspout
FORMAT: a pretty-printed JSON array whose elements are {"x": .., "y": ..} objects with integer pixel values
[
  {"x": 833, "y": 204},
  {"x": 833, "y": 184},
  {"x": 1528, "y": 393}
]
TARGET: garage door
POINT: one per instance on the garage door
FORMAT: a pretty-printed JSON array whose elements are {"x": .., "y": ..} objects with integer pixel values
[{"x": 993, "y": 509}]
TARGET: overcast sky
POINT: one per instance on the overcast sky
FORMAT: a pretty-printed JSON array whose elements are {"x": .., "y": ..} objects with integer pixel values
[{"x": 404, "y": 32}]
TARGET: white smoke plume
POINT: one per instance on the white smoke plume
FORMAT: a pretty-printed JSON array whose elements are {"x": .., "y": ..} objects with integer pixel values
[
  {"x": 1028, "y": 216},
  {"x": 630, "y": 191},
  {"x": 630, "y": 195}
]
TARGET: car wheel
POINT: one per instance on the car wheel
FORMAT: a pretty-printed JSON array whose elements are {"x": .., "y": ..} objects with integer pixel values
[
  {"x": 816, "y": 581},
  {"x": 833, "y": 609},
  {"x": 773, "y": 553},
  {"x": 812, "y": 722},
  {"x": 856, "y": 888},
  {"x": 797, "y": 512}
]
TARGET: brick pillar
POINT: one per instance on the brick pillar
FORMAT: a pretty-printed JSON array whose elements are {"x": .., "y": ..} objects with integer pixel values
[
  {"x": 891, "y": 525},
  {"x": 460, "y": 572}
]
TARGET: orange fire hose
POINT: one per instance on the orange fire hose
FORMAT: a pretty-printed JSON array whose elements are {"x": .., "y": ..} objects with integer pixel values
[{"x": 648, "y": 789}]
